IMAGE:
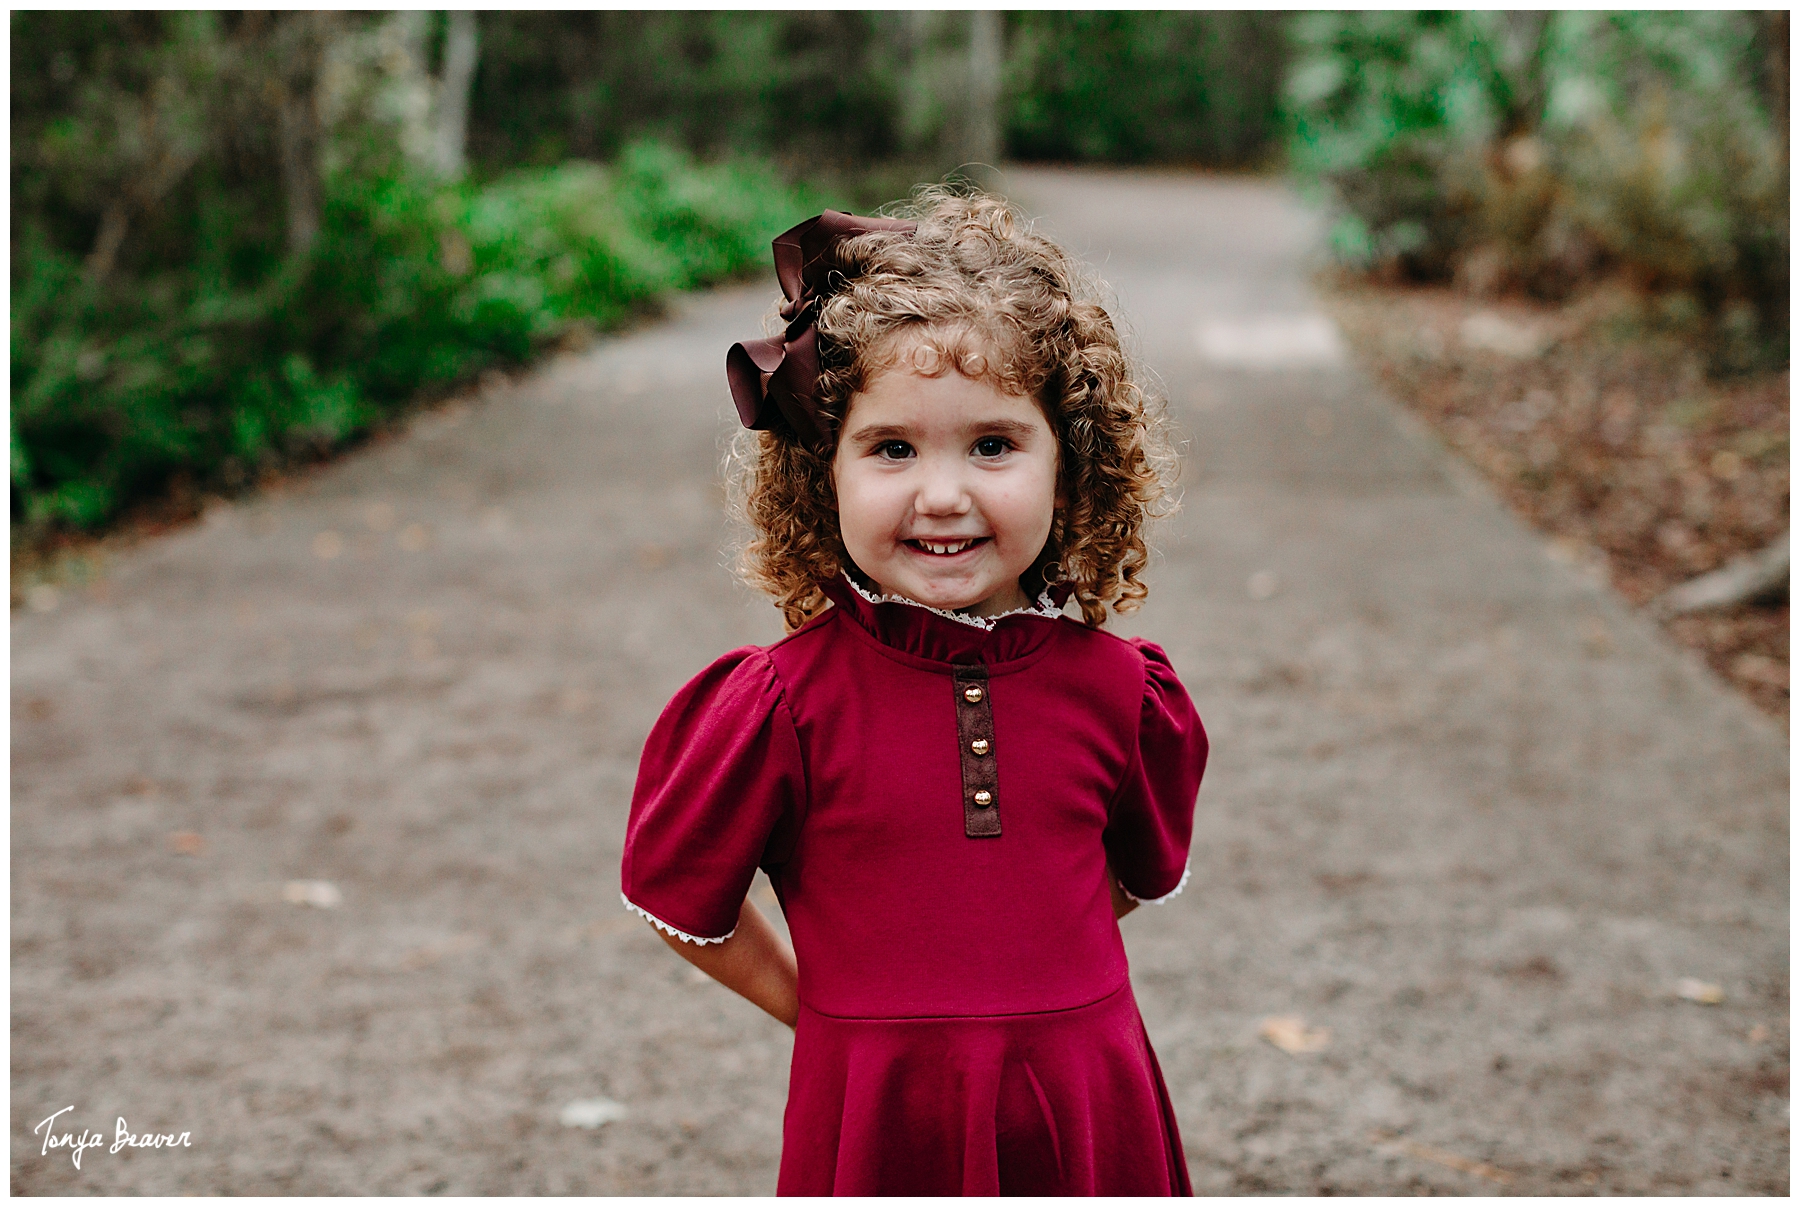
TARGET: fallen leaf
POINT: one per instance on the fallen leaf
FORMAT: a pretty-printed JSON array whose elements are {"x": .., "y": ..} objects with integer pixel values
[
  {"x": 1704, "y": 992},
  {"x": 1273, "y": 341},
  {"x": 431, "y": 953},
  {"x": 186, "y": 842},
  {"x": 591, "y": 1112},
  {"x": 1760, "y": 668},
  {"x": 1758, "y": 1034},
  {"x": 320, "y": 894},
  {"x": 1564, "y": 551},
  {"x": 1438, "y": 1156},
  {"x": 1291, "y": 1034},
  {"x": 1492, "y": 332}
]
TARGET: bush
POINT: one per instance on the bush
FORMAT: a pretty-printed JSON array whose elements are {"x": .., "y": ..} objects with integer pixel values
[
  {"x": 1532, "y": 150},
  {"x": 1138, "y": 87},
  {"x": 197, "y": 370}
]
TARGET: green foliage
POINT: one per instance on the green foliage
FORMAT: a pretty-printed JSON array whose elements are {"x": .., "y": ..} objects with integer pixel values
[
  {"x": 824, "y": 89},
  {"x": 212, "y": 370},
  {"x": 1533, "y": 149},
  {"x": 1133, "y": 87},
  {"x": 809, "y": 84}
]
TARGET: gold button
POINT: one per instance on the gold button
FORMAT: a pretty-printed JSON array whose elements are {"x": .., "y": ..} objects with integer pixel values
[
  {"x": 973, "y": 694},
  {"x": 979, "y": 745},
  {"x": 983, "y": 799}
]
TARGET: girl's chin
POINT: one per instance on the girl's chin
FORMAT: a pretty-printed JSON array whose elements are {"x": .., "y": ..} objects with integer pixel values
[{"x": 981, "y": 600}]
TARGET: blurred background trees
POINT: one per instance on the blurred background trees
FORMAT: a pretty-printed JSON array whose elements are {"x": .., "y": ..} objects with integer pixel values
[
  {"x": 1535, "y": 150},
  {"x": 239, "y": 238}
]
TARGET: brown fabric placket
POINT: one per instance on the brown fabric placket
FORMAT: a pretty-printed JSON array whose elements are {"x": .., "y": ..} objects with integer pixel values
[{"x": 975, "y": 740}]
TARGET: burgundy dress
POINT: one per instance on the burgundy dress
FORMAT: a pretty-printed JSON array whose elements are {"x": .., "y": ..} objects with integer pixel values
[{"x": 936, "y": 802}]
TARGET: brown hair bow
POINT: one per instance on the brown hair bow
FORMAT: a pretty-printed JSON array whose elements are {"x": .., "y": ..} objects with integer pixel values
[{"x": 780, "y": 375}]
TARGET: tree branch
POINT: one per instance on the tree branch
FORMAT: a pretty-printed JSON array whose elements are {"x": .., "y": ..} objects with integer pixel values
[{"x": 1743, "y": 580}]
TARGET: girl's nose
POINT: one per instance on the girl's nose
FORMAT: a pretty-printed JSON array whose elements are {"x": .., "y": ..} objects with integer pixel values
[{"x": 942, "y": 491}]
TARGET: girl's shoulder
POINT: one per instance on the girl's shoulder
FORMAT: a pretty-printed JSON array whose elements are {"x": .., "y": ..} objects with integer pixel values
[
  {"x": 1131, "y": 655},
  {"x": 1139, "y": 670},
  {"x": 741, "y": 683}
]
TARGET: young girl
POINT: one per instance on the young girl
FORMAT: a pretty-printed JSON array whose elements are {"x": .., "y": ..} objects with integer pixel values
[{"x": 954, "y": 789}]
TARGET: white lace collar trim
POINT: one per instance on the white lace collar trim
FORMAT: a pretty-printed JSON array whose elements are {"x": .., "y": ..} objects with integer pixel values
[{"x": 1046, "y": 607}]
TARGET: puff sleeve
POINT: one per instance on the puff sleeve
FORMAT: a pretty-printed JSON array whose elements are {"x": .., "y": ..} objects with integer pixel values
[
  {"x": 1151, "y": 817},
  {"x": 718, "y": 786}
]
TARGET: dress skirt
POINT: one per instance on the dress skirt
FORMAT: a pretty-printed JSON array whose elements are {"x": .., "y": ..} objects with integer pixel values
[{"x": 1065, "y": 1102}]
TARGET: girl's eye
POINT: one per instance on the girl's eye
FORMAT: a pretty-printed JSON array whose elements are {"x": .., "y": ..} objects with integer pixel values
[
  {"x": 990, "y": 446},
  {"x": 894, "y": 450}
]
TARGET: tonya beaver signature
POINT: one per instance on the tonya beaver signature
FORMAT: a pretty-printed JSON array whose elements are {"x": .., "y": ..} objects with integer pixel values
[{"x": 124, "y": 1137}]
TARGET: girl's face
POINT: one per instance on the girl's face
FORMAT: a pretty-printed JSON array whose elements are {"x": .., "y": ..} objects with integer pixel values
[{"x": 945, "y": 488}]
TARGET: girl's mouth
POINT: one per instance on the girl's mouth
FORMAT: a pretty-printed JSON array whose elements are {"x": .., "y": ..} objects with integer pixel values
[{"x": 948, "y": 548}]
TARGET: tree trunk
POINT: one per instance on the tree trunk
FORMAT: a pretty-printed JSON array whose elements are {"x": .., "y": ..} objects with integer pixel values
[
  {"x": 982, "y": 129},
  {"x": 921, "y": 98},
  {"x": 113, "y": 224},
  {"x": 462, "y": 48},
  {"x": 297, "y": 50},
  {"x": 1776, "y": 25}
]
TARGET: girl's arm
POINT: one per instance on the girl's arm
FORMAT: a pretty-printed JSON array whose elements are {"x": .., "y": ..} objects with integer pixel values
[
  {"x": 1122, "y": 904},
  {"x": 754, "y": 963}
]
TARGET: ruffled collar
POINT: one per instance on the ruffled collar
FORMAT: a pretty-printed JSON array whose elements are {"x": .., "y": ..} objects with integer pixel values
[{"x": 940, "y": 636}]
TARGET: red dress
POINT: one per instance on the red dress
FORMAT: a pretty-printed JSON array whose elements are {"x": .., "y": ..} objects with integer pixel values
[{"x": 966, "y": 1018}]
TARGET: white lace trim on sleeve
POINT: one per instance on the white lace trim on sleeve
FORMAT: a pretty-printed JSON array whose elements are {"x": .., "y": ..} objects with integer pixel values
[
  {"x": 1162, "y": 900},
  {"x": 682, "y": 934}
]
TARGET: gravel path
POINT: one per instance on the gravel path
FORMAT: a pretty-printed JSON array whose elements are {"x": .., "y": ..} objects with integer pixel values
[{"x": 1466, "y": 813}]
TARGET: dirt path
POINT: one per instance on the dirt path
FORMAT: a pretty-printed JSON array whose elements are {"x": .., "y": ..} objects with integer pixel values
[{"x": 1465, "y": 811}]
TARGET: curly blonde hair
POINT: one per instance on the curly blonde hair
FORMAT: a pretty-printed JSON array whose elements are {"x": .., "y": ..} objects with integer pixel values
[{"x": 975, "y": 288}]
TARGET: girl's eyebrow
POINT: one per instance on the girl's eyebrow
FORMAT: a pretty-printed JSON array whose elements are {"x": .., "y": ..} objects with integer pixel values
[
  {"x": 1005, "y": 427},
  {"x": 885, "y": 431},
  {"x": 895, "y": 431}
]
